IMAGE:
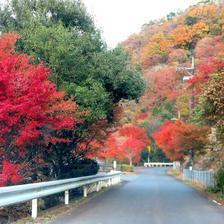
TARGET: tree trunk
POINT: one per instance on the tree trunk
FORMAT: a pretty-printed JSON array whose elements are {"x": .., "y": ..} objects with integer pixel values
[{"x": 130, "y": 161}]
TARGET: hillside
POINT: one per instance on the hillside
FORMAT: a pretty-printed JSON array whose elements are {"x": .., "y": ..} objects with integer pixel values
[{"x": 182, "y": 59}]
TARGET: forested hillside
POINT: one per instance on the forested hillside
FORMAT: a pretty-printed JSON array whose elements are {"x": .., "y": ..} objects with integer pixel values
[{"x": 182, "y": 59}]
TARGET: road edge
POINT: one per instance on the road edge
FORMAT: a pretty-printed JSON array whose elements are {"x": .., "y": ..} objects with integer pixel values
[{"x": 202, "y": 190}]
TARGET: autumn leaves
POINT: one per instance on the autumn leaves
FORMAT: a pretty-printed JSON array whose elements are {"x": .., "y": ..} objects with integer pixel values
[
  {"x": 179, "y": 114},
  {"x": 32, "y": 112}
]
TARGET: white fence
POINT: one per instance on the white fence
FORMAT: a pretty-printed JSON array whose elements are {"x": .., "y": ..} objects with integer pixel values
[
  {"x": 21, "y": 193},
  {"x": 206, "y": 178}
]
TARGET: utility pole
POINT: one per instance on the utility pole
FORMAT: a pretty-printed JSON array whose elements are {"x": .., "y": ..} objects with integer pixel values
[
  {"x": 190, "y": 74},
  {"x": 149, "y": 150},
  {"x": 190, "y": 71}
]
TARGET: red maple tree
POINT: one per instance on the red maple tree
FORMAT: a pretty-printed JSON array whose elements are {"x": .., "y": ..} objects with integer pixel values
[
  {"x": 177, "y": 138},
  {"x": 32, "y": 111},
  {"x": 10, "y": 173},
  {"x": 126, "y": 143}
]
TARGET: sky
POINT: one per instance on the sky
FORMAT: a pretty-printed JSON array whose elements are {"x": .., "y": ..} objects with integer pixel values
[{"x": 118, "y": 19}]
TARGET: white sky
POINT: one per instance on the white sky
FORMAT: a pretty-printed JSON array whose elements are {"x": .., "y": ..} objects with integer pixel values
[{"x": 120, "y": 18}]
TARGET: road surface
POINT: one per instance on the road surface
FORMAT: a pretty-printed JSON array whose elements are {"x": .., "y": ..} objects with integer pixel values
[{"x": 149, "y": 197}]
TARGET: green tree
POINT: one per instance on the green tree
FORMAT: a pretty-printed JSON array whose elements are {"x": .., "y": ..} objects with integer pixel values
[
  {"x": 190, "y": 20},
  {"x": 62, "y": 34},
  {"x": 211, "y": 106},
  {"x": 165, "y": 111},
  {"x": 155, "y": 156},
  {"x": 18, "y": 14}
]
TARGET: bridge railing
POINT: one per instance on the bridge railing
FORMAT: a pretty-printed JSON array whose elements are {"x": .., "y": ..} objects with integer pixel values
[
  {"x": 206, "y": 178},
  {"x": 157, "y": 164},
  {"x": 21, "y": 193}
]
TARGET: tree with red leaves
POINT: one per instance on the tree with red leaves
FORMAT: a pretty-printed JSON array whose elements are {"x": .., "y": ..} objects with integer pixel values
[
  {"x": 126, "y": 143},
  {"x": 212, "y": 66},
  {"x": 32, "y": 111},
  {"x": 10, "y": 173},
  {"x": 177, "y": 139},
  {"x": 110, "y": 149},
  {"x": 141, "y": 117},
  {"x": 133, "y": 140},
  {"x": 164, "y": 139}
]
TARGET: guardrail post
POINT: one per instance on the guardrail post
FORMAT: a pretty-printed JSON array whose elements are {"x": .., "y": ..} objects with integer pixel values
[
  {"x": 66, "y": 197},
  {"x": 85, "y": 191},
  {"x": 34, "y": 208},
  {"x": 98, "y": 187},
  {"x": 101, "y": 183},
  {"x": 105, "y": 182}
]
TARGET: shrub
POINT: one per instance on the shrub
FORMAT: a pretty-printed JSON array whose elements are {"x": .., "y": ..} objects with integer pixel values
[
  {"x": 127, "y": 168},
  {"x": 84, "y": 167},
  {"x": 219, "y": 179}
]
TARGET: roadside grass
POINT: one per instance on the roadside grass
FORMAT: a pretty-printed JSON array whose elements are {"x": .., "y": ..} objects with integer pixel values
[
  {"x": 127, "y": 168},
  {"x": 218, "y": 196},
  {"x": 175, "y": 173},
  {"x": 207, "y": 192}
]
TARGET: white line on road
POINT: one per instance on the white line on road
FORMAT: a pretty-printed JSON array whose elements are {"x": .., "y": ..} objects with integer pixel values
[{"x": 216, "y": 202}]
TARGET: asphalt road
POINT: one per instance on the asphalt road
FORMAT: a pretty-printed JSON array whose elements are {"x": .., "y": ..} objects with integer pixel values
[{"x": 149, "y": 197}]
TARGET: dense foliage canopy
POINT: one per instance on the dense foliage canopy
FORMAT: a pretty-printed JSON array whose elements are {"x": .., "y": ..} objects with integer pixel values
[{"x": 32, "y": 115}]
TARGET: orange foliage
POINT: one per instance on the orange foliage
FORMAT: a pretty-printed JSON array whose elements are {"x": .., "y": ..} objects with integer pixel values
[
  {"x": 177, "y": 138},
  {"x": 204, "y": 10},
  {"x": 181, "y": 36},
  {"x": 200, "y": 29},
  {"x": 7, "y": 44},
  {"x": 184, "y": 35},
  {"x": 158, "y": 46}
]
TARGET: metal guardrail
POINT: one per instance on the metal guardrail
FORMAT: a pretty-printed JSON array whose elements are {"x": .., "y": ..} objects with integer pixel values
[
  {"x": 206, "y": 178},
  {"x": 156, "y": 164},
  {"x": 108, "y": 168},
  {"x": 21, "y": 193}
]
